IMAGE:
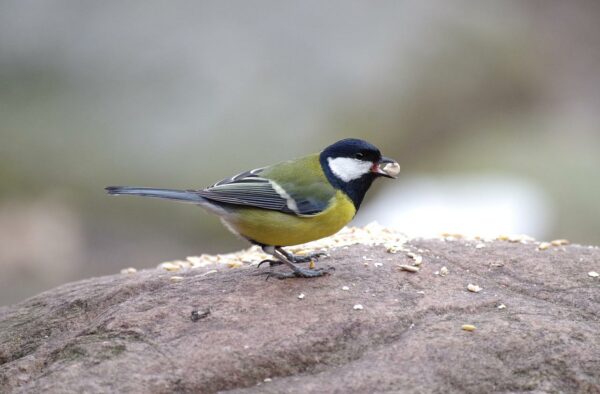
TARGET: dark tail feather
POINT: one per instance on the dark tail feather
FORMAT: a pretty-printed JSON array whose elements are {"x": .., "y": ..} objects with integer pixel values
[{"x": 179, "y": 195}]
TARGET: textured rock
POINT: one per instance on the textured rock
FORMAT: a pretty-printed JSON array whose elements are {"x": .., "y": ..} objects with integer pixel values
[{"x": 231, "y": 330}]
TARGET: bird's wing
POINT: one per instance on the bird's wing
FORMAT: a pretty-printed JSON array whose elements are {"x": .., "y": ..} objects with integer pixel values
[{"x": 253, "y": 188}]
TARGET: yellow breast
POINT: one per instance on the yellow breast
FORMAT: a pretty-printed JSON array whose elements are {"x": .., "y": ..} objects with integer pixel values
[{"x": 281, "y": 229}]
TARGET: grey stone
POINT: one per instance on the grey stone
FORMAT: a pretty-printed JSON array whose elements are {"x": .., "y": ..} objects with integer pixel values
[{"x": 231, "y": 330}]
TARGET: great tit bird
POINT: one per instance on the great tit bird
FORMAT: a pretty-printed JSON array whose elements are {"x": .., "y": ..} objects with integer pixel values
[{"x": 292, "y": 202}]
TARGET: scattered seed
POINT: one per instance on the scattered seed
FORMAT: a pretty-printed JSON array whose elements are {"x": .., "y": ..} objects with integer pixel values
[
  {"x": 377, "y": 264},
  {"x": 544, "y": 245},
  {"x": 593, "y": 274},
  {"x": 129, "y": 270},
  {"x": 176, "y": 278},
  {"x": 197, "y": 315},
  {"x": 409, "y": 268},
  {"x": 358, "y": 307},
  {"x": 501, "y": 306},
  {"x": 443, "y": 271},
  {"x": 560, "y": 242},
  {"x": 209, "y": 272},
  {"x": 392, "y": 249},
  {"x": 452, "y": 236},
  {"x": 468, "y": 327},
  {"x": 301, "y": 296},
  {"x": 474, "y": 288},
  {"x": 345, "y": 288},
  {"x": 235, "y": 264},
  {"x": 267, "y": 380},
  {"x": 168, "y": 266},
  {"x": 417, "y": 258},
  {"x": 522, "y": 238}
]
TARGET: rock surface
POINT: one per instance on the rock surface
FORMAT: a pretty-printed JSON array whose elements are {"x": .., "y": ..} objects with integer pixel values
[{"x": 232, "y": 330}]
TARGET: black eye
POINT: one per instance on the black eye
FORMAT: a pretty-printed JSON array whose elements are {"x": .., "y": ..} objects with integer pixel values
[{"x": 359, "y": 155}]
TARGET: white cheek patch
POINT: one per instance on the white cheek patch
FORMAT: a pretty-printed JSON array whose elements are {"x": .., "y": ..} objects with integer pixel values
[{"x": 348, "y": 169}]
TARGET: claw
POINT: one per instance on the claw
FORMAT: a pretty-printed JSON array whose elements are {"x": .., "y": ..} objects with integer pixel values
[
  {"x": 307, "y": 258},
  {"x": 271, "y": 263}
]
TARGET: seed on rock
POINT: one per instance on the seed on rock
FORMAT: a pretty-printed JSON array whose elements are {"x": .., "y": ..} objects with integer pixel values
[
  {"x": 474, "y": 288},
  {"x": 358, "y": 307},
  {"x": 417, "y": 258},
  {"x": 560, "y": 242},
  {"x": 593, "y": 274},
  {"x": 175, "y": 279},
  {"x": 501, "y": 306},
  {"x": 443, "y": 271},
  {"x": 129, "y": 270},
  {"x": 409, "y": 268},
  {"x": 544, "y": 245},
  {"x": 392, "y": 249},
  {"x": 522, "y": 238},
  {"x": 468, "y": 327},
  {"x": 345, "y": 288},
  {"x": 301, "y": 296},
  {"x": 168, "y": 266}
]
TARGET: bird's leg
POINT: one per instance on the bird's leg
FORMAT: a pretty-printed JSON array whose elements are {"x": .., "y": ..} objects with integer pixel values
[
  {"x": 296, "y": 259},
  {"x": 297, "y": 272}
]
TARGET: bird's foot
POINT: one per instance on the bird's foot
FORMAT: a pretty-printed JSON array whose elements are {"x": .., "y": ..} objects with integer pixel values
[
  {"x": 308, "y": 257},
  {"x": 299, "y": 273}
]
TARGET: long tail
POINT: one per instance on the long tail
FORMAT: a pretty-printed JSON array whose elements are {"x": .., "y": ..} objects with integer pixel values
[{"x": 170, "y": 194}]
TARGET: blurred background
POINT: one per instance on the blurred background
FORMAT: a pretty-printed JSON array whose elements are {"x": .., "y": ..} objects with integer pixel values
[{"x": 491, "y": 107}]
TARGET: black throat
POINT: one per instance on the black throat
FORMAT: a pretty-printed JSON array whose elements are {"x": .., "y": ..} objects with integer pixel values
[{"x": 355, "y": 189}]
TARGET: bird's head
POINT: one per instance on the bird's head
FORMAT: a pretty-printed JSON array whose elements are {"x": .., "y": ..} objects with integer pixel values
[
  {"x": 351, "y": 159},
  {"x": 353, "y": 164}
]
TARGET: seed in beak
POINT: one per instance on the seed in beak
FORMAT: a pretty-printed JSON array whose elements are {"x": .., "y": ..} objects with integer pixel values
[{"x": 386, "y": 167}]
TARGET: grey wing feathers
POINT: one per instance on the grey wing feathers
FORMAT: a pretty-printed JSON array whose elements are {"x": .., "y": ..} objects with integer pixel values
[
  {"x": 247, "y": 176},
  {"x": 249, "y": 189}
]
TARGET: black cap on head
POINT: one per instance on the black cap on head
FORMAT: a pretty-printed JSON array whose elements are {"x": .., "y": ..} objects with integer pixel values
[{"x": 352, "y": 148}]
